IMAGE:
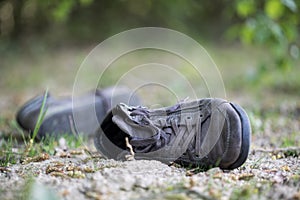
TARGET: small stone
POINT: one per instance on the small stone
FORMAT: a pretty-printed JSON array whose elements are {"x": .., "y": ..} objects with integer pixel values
[
  {"x": 218, "y": 175},
  {"x": 296, "y": 196},
  {"x": 76, "y": 152},
  {"x": 286, "y": 168},
  {"x": 62, "y": 144}
]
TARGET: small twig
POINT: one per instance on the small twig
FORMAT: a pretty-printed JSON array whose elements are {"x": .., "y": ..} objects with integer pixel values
[
  {"x": 38, "y": 158},
  {"x": 5, "y": 169},
  {"x": 200, "y": 195},
  {"x": 129, "y": 146},
  {"x": 277, "y": 150}
]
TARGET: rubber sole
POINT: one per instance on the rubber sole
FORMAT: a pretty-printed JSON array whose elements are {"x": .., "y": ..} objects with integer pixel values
[{"x": 246, "y": 136}]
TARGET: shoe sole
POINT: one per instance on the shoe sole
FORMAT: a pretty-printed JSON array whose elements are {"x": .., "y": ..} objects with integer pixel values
[{"x": 246, "y": 136}]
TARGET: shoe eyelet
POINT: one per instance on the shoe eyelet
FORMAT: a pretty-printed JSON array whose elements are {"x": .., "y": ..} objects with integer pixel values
[
  {"x": 189, "y": 117},
  {"x": 201, "y": 115}
]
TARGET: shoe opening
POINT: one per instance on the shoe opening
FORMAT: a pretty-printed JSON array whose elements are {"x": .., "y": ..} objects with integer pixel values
[{"x": 113, "y": 132}]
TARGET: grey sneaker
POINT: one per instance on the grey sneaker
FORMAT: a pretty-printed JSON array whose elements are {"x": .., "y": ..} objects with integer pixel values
[
  {"x": 59, "y": 118},
  {"x": 205, "y": 133}
]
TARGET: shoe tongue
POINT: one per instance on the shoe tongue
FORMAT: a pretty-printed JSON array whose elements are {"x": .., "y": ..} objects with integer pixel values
[{"x": 122, "y": 118}]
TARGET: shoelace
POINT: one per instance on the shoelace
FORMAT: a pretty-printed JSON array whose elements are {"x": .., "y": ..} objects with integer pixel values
[
  {"x": 141, "y": 115},
  {"x": 169, "y": 128}
]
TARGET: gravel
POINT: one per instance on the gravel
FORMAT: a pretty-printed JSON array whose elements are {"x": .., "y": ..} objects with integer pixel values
[{"x": 267, "y": 174}]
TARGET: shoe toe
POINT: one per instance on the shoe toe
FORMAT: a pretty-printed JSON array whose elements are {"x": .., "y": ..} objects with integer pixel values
[
  {"x": 245, "y": 136},
  {"x": 236, "y": 136},
  {"x": 28, "y": 114}
]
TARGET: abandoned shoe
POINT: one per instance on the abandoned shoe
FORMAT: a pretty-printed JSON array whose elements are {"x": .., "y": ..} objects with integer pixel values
[
  {"x": 206, "y": 133},
  {"x": 59, "y": 117}
]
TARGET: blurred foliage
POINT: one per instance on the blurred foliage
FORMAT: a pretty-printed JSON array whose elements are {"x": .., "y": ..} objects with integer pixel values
[
  {"x": 85, "y": 19},
  {"x": 273, "y": 24}
]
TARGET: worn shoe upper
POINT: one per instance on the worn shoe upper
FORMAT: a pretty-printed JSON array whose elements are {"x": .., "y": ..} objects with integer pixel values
[
  {"x": 59, "y": 118},
  {"x": 205, "y": 132}
]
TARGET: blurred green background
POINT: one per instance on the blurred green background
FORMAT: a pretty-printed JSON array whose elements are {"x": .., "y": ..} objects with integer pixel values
[{"x": 254, "y": 43}]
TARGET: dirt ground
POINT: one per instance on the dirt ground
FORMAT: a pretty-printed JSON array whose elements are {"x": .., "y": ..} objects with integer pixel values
[
  {"x": 267, "y": 174},
  {"x": 272, "y": 170}
]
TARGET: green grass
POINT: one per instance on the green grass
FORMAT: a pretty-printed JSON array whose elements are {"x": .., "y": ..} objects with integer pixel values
[
  {"x": 31, "y": 147},
  {"x": 7, "y": 156},
  {"x": 290, "y": 140},
  {"x": 40, "y": 117},
  {"x": 246, "y": 192},
  {"x": 49, "y": 143},
  {"x": 46, "y": 145},
  {"x": 9, "y": 145},
  {"x": 10, "y": 157},
  {"x": 29, "y": 150}
]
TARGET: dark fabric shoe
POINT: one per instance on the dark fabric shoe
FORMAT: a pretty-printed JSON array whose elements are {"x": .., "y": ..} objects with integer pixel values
[
  {"x": 205, "y": 133},
  {"x": 59, "y": 118}
]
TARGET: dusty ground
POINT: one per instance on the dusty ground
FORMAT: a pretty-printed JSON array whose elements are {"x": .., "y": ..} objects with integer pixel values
[
  {"x": 270, "y": 174},
  {"x": 272, "y": 170}
]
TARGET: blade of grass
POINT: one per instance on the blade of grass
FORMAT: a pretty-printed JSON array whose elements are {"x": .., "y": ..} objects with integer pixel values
[
  {"x": 40, "y": 117},
  {"x": 14, "y": 125},
  {"x": 9, "y": 155},
  {"x": 37, "y": 127}
]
